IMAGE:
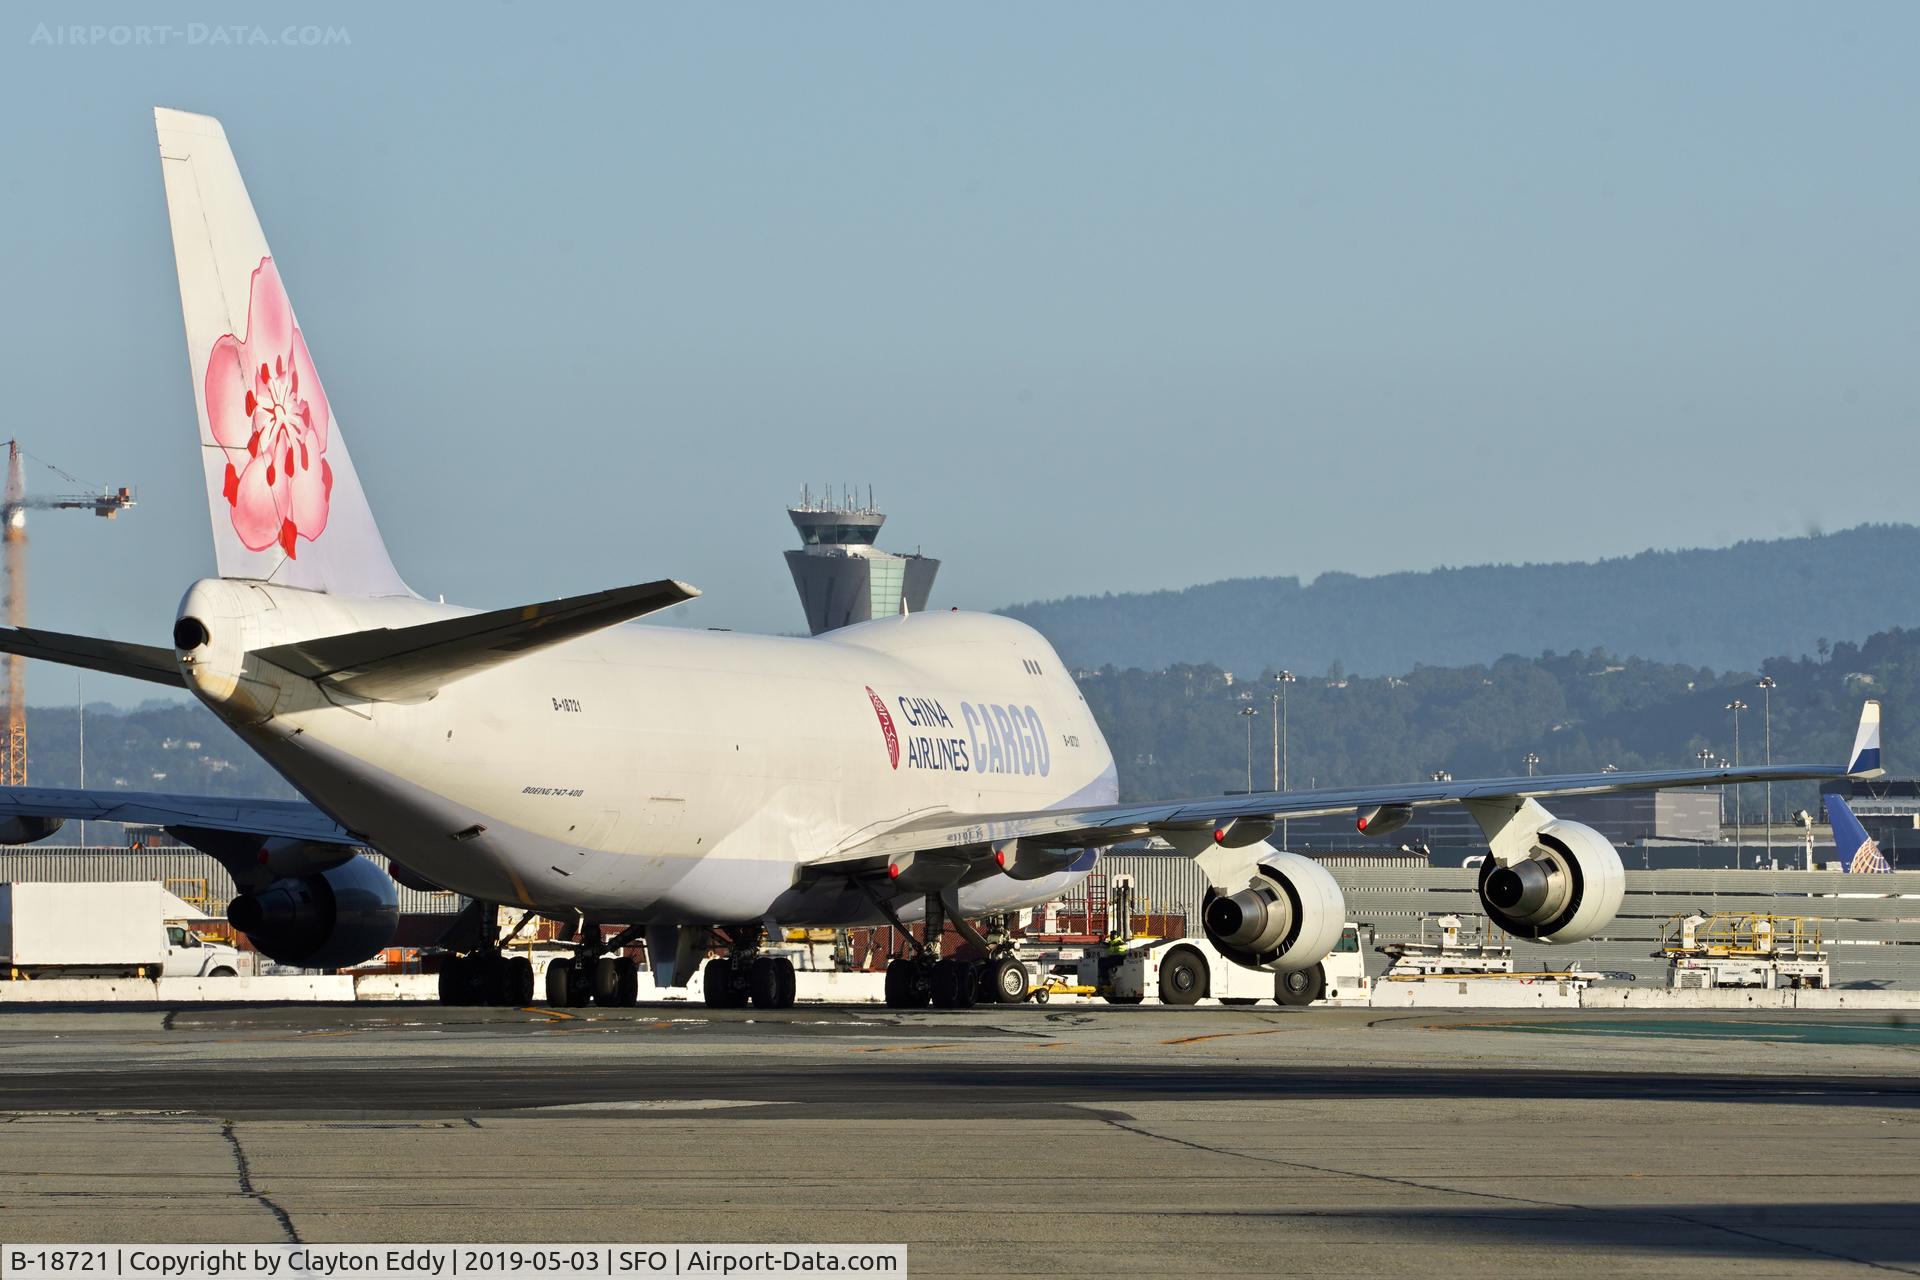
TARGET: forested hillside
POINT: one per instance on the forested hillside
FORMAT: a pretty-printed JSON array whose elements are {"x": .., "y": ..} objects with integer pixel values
[
  {"x": 1180, "y": 732},
  {"x": 1731, "y": 607}
]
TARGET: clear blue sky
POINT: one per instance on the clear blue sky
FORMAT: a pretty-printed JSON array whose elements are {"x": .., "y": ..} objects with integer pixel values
[{"x": 1097, "y": 297}]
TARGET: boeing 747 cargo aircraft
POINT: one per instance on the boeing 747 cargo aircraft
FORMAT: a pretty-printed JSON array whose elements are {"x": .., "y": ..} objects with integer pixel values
[{"x": 696, "y": 789}]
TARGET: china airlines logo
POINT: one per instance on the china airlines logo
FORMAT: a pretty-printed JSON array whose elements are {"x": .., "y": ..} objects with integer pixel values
[
  {"x": 887, "y": 730},
  {"x": 268, "y": 413}
]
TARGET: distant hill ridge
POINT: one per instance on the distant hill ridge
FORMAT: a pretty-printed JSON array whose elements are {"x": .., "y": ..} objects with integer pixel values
[{"x": 1724, "y": 607}]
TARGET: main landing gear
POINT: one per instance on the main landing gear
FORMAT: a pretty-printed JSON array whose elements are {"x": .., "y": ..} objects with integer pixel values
[
  {"x": 745, "y": 977},
  {"x": 478, "y": 973},
  {"x": 948, "y": 982},
  {"x": 596, "y": 973}
]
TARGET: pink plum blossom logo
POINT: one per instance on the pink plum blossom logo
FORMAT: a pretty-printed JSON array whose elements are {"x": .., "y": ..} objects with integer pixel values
[
  {"x": 267, "y": 411},
  {"x": 887, "y": 730}
]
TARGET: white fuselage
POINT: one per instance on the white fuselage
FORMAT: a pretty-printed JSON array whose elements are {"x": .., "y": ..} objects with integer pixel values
[{"x": 654, "y": 774}]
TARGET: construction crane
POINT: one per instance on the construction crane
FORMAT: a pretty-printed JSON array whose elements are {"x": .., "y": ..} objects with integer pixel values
[{"x": 106, "y": 502}]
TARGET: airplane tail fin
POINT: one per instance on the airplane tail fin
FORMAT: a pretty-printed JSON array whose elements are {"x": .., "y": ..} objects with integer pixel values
[
  {"x": 1865, "y": 761},
  {"x": 1858, "y": 851},
  {"x": 286, "y": 503}
]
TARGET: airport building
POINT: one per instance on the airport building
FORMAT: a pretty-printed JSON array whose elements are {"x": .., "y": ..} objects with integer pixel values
[{"x": 842, "y": 577}]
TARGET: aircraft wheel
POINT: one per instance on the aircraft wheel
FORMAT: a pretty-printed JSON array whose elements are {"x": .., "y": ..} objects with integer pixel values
[
  {"x": 626, "y": 983},
  {"x": 606, "y": 980},
  {"x": 718, "y": 981},
  {"x": 906, "y": 985},
  {"x": 557, "y": 980},
  {"x": 519, "y": 981},
  {"x": 763, "y": 983},
  {"x": 1006, "y": 981},
  {"x": 1301, "y": 987},
  {"x": 580, "y": 982},
  {"x": 954, "y": 984},
  {"x": 1183, "y": 977}
]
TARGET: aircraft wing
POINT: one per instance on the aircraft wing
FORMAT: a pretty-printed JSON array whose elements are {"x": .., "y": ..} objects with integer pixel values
[
  {"x": 292, "y": 819},
  {"x": 979, "y": 835}
]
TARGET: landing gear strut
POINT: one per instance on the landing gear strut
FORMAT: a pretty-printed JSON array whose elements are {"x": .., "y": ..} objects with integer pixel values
[
  {"x": 596, "y": 973},
  {"x": 478, "y": 973},
  {"x": 946, "y": 982},
  {"x": 745, "y": 977}
]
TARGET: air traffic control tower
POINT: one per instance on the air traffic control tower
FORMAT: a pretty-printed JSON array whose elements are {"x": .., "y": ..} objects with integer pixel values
[{"x": 841, "y": 576}]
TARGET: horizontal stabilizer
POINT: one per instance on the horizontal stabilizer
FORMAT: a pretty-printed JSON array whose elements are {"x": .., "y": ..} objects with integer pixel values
[
  {"x": 115, "y": 657},
  {"x": 408, "y": 664}
]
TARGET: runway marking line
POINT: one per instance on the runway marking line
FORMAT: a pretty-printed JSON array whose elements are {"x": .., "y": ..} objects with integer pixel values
[
  {"x": 298, "y": 1035},
  {"x": 1226, "y": 1035},
  {"x": 906, "y": 1048}
]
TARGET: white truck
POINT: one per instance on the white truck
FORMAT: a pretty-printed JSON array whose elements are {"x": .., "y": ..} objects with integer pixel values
[
  {"x": 1189, "y": 970},
  {"x": 128, "y": 929}
]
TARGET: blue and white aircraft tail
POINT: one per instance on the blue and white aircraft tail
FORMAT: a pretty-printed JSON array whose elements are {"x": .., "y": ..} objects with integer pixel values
[{"x": 1858, "y": 851}]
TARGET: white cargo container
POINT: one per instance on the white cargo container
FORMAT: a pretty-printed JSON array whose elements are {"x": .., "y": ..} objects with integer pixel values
[{"x": 113, "y": 929}]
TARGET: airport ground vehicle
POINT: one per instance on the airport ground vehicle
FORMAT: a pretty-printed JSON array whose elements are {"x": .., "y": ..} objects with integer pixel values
[
  {"x": 1128, "y": 969},
  {"x": 105, "y": 930}
]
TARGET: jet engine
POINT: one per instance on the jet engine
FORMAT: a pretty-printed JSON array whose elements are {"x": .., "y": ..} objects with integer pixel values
[
  {"x": 1287, "y": 918},
  {"x": 1565, "y": 889},
  {"x": 335, "y": 916},
  {"x": 25, "y": 829}
]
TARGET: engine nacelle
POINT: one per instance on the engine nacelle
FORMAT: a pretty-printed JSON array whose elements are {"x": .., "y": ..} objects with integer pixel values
[
  {"x": 1288, "y": 917},
  {"x": 334, "y": 917},
  {"x": 1381, "y": 819},
  {"x": 1566, "y": 889},
  {"x": 25, "y": 830}
]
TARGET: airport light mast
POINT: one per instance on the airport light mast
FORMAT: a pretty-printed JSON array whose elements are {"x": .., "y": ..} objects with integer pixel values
[
  {"x": 107, "y": 503},
  {"x": 1736, "y": 706},
  {"x": 1766, "y": 685}
]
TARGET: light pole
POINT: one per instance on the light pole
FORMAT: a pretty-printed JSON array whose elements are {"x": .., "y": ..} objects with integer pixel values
[
  {"x": 1247, "y": 714},
  {"x": 1705, "y": 756},
  {"x": 1736, "y": 706},
  {"x": 1767, "y": 685},
  {"x": 1723, "y": 762},
  {"x": 1280, "y": 683},
  {"x": 1532, "y": 760}
]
